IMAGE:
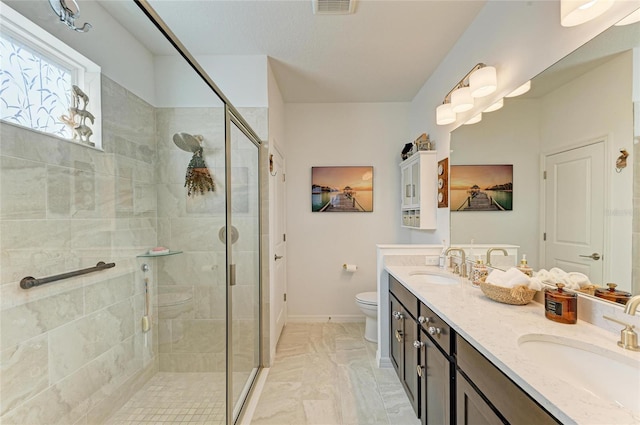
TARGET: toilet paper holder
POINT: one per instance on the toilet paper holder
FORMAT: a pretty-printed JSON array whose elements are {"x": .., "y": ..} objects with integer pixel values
[{"x": 350, "y": 267}]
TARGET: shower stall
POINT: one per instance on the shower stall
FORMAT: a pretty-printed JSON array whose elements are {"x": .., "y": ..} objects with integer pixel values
[{"x": 172, "y": 195}]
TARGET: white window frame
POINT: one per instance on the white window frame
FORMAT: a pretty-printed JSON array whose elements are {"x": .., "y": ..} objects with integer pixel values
[{"x": 86, "y": 72}]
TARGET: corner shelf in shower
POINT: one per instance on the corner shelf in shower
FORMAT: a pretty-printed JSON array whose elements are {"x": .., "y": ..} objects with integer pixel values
[{"x": 164, "y": 254}]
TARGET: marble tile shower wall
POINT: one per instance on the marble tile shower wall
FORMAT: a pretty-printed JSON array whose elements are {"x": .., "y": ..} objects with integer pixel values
[
  {"x": 192, "y": 296},
  {"x": 72, "y": 351}
]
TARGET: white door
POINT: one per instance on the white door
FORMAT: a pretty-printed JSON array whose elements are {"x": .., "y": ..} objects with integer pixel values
[
  {"x": 574, "y": 211},
  {"x": 279, "y": 246}
]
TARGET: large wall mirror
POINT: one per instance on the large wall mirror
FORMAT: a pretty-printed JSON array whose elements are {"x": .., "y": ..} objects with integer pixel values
[{"x": 573, "y": 124}]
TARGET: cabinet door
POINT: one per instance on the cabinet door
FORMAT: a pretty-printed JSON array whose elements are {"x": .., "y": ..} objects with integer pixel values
[
  {"x": 407, "y": 187},
  {"x": 395, "y": 334},
  {"x": 410, "y": 374},
  {"x": 415, "y": 183},
  {"x": 435, "y": 397},
  {"x": 471, "y": 409}
]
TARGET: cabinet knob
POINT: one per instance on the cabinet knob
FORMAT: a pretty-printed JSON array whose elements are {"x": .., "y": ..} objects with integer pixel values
[
  {"x": 398, "y": 334},
  {"x": 417, "y": 344},
  {"x": 419, "y": 369},
  {"x": 397, "y": 315},
  {"x": 423, "y": 320},
  {"x": 434, "y": 331}
]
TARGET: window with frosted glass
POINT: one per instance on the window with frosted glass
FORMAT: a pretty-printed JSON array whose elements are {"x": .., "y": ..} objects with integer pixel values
[{"x": 35, "y": 90}]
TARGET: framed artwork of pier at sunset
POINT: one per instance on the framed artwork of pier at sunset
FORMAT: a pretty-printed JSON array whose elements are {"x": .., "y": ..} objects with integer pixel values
[
  {"x": 481, "y": 188},
  {"x": 342, "y": 189}
]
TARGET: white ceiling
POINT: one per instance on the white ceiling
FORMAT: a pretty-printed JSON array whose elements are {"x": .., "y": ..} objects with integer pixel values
[{"x": 383, "y": 53}]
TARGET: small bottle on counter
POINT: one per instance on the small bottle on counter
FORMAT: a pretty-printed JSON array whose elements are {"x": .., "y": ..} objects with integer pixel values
[
  {"x": 560, "y": 306},
  {"x": 524, "y": 267},
  {"x": 479, "y": 272},
  {"x": 443, "y": 255}
]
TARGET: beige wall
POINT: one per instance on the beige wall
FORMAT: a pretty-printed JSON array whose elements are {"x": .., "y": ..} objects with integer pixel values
[
  {"x": 318, "y": 244},
  {"x": 74, "y": 349}
]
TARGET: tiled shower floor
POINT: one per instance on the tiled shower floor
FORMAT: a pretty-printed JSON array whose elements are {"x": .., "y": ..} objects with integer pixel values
[{"x": 176, "y": 398}]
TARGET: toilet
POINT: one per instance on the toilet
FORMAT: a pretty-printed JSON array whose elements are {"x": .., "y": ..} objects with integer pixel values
[{"x": 368, "y": 303}]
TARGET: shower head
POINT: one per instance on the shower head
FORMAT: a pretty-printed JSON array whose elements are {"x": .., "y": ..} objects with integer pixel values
[{"x": 187, "y": 142}]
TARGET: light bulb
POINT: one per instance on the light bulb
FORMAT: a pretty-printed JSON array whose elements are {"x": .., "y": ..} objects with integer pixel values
[
  {"x": 475, "y": 119},
  {"x": 520, "y": 90},
  {"x": 483, "y": 81},
  {"x": 461, "y": 100},
  {"x": 444, "y": 114},
  {"x": 576, "y": 12},
  {"x": 494, "y": 107}
]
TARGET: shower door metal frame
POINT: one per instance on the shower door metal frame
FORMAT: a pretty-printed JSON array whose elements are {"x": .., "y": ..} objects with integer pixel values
[
  {"x": 231, "y": 114},
  {"x": 232, "y": 119}
]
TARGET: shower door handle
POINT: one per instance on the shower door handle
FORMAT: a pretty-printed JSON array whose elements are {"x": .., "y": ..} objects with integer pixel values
[
  {"x": 276, "y": 257},
  {"x": 232, "y": 275}
]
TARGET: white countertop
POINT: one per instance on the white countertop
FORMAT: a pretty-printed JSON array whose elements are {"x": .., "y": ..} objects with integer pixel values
[{"x": 494, "y": 329}]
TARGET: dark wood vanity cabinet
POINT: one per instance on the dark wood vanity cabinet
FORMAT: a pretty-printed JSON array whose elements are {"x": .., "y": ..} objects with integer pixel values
[
  {"x": 403, "y": 307},
  {"x": 485, "y": 395},
  {"x": 447, "y": 380}
]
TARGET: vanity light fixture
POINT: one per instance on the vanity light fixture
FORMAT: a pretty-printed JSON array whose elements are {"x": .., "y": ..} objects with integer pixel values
[
  {"x": 480, "y": 81},
  {"x": 576, "y": 12},
  {"x": 475, "y": 119},
  {"x": 631, "y": 19},
  {"x": 444, "y": 114},
  {"x": 499, "y": 104},
  {"x": 520, "y": 90}
]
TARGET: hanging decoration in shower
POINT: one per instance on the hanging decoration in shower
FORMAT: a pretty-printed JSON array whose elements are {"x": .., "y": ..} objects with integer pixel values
[
  {"x": 68, "y": 11},
  {"x": 198, "y": 178}
]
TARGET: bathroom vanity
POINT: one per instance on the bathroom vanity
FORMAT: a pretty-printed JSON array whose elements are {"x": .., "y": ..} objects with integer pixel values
[
  {"x": 462, "y": 357},
  {"x": 447, "y": 380}
]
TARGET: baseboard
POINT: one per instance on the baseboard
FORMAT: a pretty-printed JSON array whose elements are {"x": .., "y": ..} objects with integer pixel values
[
  {"x": 343, "y": 318},
  {"x": 384, "y": 362}
]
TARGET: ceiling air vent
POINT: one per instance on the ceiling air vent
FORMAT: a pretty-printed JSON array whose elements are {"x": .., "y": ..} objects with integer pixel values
[{"x": 333, "y": 7}]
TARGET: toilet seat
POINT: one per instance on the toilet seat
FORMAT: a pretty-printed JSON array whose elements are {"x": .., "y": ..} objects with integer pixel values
[{"x": 368, "y": 298}]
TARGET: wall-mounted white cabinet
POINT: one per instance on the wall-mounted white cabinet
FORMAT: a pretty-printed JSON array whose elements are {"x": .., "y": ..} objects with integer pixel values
[{"x": 419, "y": 190}]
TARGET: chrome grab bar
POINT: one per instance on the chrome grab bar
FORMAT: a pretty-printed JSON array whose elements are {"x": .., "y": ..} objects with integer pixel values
[{"x": 30, "y": 281}]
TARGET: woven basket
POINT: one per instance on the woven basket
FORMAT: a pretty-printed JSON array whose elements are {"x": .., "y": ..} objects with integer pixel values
[{"x": 520, "y": 295}]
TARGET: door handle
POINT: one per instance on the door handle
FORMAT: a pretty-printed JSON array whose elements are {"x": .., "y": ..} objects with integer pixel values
[
  {"x": 595, "y": 256},
  {"x": 276, "y": 257}
]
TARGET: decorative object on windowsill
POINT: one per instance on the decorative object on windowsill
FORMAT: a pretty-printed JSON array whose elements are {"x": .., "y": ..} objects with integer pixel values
[
  {"x": 621, "y": 162},
  {"x": 423, "y": 143},
  {"x": 198, "y": 177},
  {"x": 68, "y": 11},
  {"x": 407, "y": 151},
  {"x": 77, "y": 118}
]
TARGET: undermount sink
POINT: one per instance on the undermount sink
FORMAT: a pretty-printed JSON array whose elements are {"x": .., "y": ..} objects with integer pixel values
[
  {"x": 424, "y": 276},
  {"x": 601, "y": 372}
]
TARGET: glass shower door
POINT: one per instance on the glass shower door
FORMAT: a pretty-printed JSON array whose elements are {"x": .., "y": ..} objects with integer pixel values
[{"x": 243, "y": 251}]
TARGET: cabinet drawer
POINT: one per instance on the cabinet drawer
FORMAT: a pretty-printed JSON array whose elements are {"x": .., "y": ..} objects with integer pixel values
[
  {"x": 406, "y": 298},
  {"x": 507, "y": 398},
  {"x": 442, "y": 338}
]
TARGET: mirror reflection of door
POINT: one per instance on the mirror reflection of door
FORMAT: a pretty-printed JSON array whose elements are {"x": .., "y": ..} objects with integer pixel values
[{"x": 574, "y": 210}]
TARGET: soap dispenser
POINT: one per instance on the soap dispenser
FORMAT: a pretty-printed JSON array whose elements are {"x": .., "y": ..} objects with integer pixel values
[
  {"x": 479, "y": 272},
  {"x": 524, "y": 267}
]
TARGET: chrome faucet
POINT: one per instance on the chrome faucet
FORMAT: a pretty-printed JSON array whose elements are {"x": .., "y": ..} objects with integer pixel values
[
  {"x": 628, "y": 337},
  {"x": 632, "y": 305},
  {"x": 463, "y": 266},
  {"x": 490, "y": 250}
]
